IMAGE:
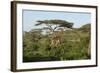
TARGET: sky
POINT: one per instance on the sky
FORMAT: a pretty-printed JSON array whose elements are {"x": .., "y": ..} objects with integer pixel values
[{"x": 31, "y": 16}]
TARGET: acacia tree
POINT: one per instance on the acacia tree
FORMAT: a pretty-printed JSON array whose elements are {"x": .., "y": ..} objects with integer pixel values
[
  {"x": 52, "y": 26},
  {"x": 56, "y": 23}
]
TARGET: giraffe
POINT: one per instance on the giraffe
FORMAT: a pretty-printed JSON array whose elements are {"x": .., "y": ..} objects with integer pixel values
[{"x": 56, "y": 37}]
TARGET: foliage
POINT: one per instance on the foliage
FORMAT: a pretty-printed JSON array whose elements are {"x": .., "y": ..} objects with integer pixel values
[{"x": 36, "y": 46}]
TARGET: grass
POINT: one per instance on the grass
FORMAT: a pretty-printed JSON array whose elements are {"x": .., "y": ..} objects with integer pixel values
[{"x": 36, "y": 47}]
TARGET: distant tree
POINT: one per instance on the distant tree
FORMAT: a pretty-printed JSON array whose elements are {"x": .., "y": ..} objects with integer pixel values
[
  {"x": 85, "y": 28},
  {"x": 54, "y": 23}
]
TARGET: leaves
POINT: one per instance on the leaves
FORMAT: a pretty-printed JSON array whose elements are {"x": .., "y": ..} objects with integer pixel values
[
  {"x": 61, "y": 23},
  {"x": 36, "y": 46}
]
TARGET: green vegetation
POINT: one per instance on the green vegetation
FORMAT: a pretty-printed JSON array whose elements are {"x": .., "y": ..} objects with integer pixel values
[{"x": 57, "y": 43}]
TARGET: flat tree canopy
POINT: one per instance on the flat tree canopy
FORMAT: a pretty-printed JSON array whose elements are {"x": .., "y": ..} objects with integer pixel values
[{"x": 57, "y": 22}]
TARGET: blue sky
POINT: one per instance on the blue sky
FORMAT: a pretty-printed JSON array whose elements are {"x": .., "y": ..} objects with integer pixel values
[{"x": 31, "y": 16}]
